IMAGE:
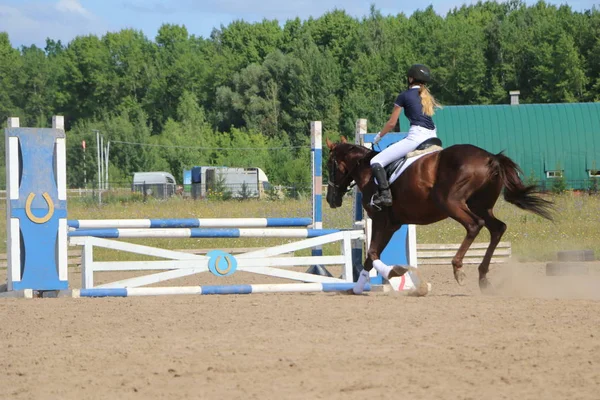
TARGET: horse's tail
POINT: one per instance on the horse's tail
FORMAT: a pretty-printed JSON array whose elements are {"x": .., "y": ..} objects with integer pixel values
[{"x": 515, "y": 192}]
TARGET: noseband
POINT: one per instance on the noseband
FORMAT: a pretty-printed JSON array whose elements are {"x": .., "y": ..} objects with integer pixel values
[
  {"x": 348, "y": 174},
  {"x": 335, "y": 186}
]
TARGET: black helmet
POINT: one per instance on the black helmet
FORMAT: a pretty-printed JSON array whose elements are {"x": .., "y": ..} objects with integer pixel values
[{"x": 420, "y": 73}]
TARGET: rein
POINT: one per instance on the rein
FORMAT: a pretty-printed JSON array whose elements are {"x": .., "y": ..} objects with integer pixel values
[{"x": 346, "y": 175}]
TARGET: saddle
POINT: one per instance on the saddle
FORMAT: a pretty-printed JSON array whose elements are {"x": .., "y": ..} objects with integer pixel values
[{"x": 429, "y": 145}]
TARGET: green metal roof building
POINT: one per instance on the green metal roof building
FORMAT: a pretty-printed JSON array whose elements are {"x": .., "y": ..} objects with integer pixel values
[{"x": 546, "y": 140}]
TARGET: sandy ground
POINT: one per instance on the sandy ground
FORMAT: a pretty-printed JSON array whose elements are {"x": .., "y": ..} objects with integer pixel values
[{"x": 539, "y": 338}]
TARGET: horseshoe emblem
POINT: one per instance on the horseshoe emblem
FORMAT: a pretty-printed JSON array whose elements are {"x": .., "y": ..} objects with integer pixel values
[
  {"x": 221, "y": 270},
  {"x": 45, "y": 218},
  {"x": 216, "y": 263}
]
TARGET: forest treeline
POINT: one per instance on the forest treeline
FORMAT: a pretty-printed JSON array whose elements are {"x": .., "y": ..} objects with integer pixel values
[{"x": 245, "y": 96}]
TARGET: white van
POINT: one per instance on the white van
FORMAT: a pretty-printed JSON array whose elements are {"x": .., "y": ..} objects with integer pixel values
[
  {"x": 253, "y": 179},
  {"x": 158, "y": 184}
]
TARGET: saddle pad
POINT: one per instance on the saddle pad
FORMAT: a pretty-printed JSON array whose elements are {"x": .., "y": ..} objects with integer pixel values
[{"x": 407, "y": 164}]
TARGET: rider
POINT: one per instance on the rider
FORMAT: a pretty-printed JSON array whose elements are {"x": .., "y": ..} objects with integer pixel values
[{"x": 418, "y": 106}]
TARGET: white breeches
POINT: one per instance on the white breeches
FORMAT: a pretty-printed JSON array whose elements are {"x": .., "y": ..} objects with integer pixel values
[{"x": 416, "y": 136}]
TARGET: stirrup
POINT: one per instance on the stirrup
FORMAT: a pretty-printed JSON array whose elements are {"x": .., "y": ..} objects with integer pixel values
[{"x": 379, "y": 207}]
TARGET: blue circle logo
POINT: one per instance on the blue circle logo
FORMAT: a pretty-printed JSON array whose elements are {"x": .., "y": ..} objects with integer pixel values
[{"x": 221, "y": 263}]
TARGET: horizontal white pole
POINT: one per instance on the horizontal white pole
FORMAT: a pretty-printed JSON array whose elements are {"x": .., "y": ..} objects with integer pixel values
[{"x": 161, "y": 265}]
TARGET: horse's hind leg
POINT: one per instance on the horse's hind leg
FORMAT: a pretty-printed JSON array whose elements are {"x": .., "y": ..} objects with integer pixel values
[
  {"x": 497, "y": 229},
  {"x": 460, "y": 212}
]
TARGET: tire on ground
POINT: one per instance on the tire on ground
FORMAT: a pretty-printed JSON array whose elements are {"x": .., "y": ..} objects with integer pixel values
[
  {"x": 576, "y": 255},
  {"x": 566, "y": 269}
]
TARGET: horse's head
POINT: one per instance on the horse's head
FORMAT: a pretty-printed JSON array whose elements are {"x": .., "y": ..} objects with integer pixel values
[{"x": 343, "y": 167}]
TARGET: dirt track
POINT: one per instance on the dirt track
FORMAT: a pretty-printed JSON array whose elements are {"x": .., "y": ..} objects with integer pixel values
[{"x": 539, "y": 339}]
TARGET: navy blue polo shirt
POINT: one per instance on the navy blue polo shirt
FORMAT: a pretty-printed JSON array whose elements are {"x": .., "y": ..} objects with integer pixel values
[{"x": 411, "y": 102}]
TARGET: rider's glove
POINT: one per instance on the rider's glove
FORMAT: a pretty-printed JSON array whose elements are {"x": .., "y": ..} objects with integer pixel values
[{"x": 377, "y": 138}]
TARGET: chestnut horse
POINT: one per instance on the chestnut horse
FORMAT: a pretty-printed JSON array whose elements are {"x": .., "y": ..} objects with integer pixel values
[{"x": 462, "y": 182}]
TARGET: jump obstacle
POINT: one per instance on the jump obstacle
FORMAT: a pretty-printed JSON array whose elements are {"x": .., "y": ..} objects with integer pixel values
[{"x": 38, "y": 234}]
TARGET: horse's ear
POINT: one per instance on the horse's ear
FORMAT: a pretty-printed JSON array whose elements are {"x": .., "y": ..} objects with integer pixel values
[
  {"x": 330, "y": 144},
  {"x": 343, "y": 139}
]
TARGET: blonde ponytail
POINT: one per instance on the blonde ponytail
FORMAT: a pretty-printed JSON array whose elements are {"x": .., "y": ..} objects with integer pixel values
[{"x": 428, "y": 102}]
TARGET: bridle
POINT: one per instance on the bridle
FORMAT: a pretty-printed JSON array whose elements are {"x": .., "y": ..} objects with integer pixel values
[
  {"x": 345, "y": 178},
  {"x": 333, "y": 185}
]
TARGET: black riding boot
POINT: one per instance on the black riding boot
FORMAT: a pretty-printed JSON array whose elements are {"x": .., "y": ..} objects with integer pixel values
[{"x": 384, "y": 197}]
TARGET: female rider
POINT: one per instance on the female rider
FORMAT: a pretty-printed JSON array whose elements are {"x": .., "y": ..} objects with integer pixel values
[{"x": 418, "y": 106}]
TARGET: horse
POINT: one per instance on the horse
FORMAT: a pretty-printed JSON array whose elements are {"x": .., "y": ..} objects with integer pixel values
[{"x": 462, "y": 182}]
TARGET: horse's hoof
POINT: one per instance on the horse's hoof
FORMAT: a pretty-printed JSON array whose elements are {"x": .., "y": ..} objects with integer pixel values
[
  {"x": 460, "y": 276},
  {"x": 420, "y": 290},
  {"x": 397, "y": 271},
  {"x": 486, "y": 287},
  {"x": 422, "y": 287},
  {"x": 350, "y": 292}
]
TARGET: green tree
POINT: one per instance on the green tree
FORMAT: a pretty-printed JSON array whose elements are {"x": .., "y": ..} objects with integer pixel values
[
  {"x": 129, "y": 52},
  {"x": 336, "y": 32},
  {"x": 185, "y": 142},
  {"x": 37, "y": 86},
  {"x": 91, "y": 86},
  {"x": 181, "y": 65},
  {"x": 253, "y": 42},
  {"x": 314, "y": 86},
  {"x": 568, "y": 73},
  {"x": 462, "y": 63},
  {"x": 10, "y": 73},
  {"x": 188, "y": 100}
]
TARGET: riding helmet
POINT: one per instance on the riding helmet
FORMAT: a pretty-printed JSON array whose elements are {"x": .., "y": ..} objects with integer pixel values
[{"x": 419, "y": 73}]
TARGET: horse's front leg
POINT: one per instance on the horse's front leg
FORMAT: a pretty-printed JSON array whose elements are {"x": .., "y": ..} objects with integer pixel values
[{"x": 382, "y": 233}]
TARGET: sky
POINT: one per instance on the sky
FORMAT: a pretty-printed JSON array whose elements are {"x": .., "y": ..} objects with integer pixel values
[{"x": 32, "y": 21}]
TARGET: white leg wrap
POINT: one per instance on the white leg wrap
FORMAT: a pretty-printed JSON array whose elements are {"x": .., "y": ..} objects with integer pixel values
[
  {"x": 359, "y": 286},
  {"x": 382, "y": 268}
]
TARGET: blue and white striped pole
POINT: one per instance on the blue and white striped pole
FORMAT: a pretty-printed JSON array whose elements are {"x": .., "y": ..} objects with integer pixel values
[
  {"x": 216, "y": 289},
  {"x": 189, "y": 223},
  {"x": 316, "y": 138},
  {"x": 317, "y": 178},
  {"x": 116, "y": 233},
  {"x": 359, "y": 221}
]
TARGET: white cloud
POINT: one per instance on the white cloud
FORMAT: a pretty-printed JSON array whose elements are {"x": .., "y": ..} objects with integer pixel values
[
  {"x": 31, "y": 22},
  {"x": 19, "y": 26},
  {"x": 72, "y": 6},
  {"x": 149, "y": 7},
  {"x": 286, "y": 9},
  {"x": 258, "y": 9}
]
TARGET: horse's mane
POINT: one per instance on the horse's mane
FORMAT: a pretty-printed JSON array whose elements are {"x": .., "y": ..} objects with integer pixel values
[{"x": 366, "y": 153}]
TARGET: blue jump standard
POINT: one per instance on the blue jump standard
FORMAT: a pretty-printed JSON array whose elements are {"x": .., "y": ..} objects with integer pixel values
[{"x": 115, "y": 233}]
